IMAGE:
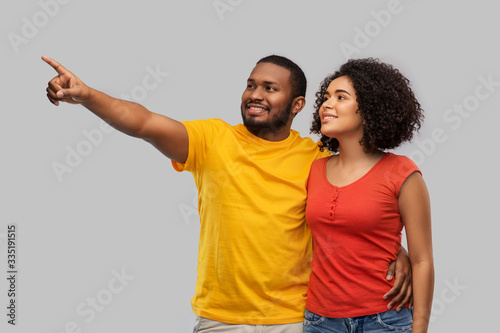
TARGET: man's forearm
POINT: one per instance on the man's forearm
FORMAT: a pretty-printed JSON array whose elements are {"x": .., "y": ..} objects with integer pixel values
[
  {"x": 168, "y": 135},
  {"x": 127, "y": 117}
]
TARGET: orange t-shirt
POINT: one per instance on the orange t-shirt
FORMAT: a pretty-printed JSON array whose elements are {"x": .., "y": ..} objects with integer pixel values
[{"x": 356, "y": 233}]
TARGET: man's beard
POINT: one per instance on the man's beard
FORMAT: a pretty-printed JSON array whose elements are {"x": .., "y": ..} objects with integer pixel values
[{"x": 277, "y": 122}]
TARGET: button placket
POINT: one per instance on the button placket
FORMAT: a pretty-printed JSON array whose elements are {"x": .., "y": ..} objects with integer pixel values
[{"x": 335, "y": 195}]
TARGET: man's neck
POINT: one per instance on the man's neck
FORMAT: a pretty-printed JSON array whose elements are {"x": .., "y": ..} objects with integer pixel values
[{"x": 269, "y": 135}]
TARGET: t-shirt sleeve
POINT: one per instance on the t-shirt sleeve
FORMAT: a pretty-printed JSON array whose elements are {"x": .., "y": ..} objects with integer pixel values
[
  {"x": 315, "y": 171},
  {"x": 201, "y": 134},
  {"x": 403, "y": 167}
]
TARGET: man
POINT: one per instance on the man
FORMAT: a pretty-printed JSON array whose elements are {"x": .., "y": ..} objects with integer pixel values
[{"x": 255, "y": 246}]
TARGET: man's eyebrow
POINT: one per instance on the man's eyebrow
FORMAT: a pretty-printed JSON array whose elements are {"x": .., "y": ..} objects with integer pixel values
[
  {"x": 272, "y": 83},
  {"x": 265, "y": 82}
]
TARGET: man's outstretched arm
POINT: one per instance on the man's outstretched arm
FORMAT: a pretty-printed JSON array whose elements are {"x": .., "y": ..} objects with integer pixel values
[{"x": 167, "y": 135}]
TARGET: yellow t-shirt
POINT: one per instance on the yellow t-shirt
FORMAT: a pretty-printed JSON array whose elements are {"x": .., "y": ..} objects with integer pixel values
[{"x": 255, "y": 247}]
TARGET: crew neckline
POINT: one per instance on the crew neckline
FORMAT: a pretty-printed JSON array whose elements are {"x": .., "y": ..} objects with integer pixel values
[{"x": 254, "y": 137}]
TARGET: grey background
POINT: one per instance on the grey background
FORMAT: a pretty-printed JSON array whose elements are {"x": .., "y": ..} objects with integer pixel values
[{"x": 124, "y": 208}]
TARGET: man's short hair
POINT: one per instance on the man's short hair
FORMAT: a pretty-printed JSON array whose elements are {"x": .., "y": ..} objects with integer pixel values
[{"x": 298, "y": 81}]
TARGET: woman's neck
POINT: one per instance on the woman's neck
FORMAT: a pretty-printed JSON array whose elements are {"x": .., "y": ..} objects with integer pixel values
[{"x": 352, "y": 154}]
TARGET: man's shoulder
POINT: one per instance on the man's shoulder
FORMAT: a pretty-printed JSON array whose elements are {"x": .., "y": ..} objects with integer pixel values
[
  {"x": 310, "y": 143},
  {"x": 302, "y": 139},
  {"x": 205, "y": 127},
  {"x": 207, "y": 122}
]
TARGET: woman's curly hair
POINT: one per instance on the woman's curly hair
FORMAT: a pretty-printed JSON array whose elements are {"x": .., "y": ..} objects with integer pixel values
[{"x": 387, "y": 105}]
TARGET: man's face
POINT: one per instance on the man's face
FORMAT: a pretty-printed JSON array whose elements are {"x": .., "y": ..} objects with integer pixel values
[{"x": 266, "y": 102}]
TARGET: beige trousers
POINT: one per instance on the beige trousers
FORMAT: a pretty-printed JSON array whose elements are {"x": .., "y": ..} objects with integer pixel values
[{"x": 204, "y": 325}]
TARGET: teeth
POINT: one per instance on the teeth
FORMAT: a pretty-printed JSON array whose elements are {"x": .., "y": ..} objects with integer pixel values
[
  {"x": 258, "y": 109},
  {"x": 329, "y": 117}
]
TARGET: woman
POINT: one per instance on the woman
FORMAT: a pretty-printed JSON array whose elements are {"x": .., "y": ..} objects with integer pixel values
[{"x": 360, "y": 198}]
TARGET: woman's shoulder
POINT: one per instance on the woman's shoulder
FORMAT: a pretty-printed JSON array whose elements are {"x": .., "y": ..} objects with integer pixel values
[
  {"x": 398, "y": 159},
  {"x": 399, "y": 166}
]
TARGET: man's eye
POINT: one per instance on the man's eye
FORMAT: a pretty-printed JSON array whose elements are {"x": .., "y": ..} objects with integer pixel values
[{"x": 271, "y": 88}]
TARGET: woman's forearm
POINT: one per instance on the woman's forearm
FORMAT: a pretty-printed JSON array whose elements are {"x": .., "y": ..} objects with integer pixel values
[{"x": 423, "y": 289}]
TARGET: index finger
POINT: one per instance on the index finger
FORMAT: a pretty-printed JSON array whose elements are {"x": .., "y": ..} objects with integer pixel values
[
  {"x": 54, "y": 64},
  {"x": 396, "y": 288}
]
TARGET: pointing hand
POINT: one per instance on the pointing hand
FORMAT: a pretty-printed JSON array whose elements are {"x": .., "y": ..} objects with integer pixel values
[{"x": 66, "y": 86}]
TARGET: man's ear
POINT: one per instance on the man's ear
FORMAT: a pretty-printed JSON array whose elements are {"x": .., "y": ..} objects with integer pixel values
[{"x": 298, "y": 104}]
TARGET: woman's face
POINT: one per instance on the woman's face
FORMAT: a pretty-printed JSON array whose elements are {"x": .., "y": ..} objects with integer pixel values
[{"x": 339, "y": 112}]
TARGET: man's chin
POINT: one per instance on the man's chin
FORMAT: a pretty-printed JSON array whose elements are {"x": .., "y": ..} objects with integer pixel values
[
  {"x": 254, "y": 123},
  {"x": 249, "y": 120}
]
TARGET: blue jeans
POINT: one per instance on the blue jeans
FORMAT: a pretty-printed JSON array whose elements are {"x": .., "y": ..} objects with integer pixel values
[{"x": 389, "y": 321}]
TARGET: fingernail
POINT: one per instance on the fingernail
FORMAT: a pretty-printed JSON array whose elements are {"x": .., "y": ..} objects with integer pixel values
[{"x": 60, "y": 94}]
